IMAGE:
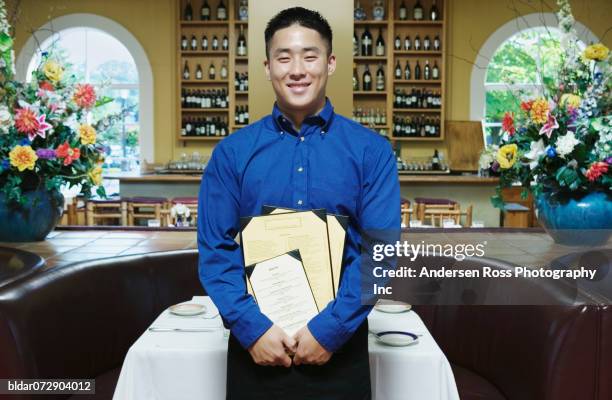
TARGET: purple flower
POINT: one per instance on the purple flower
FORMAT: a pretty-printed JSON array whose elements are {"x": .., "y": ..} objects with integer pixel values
[
  {"x": 4, "y": 165},
  {"x": 551, "y": 152},
  {"x": 495, "y": 166},
  {"x": 46, "y": 154},
  {"x": 608, "y": 160}
]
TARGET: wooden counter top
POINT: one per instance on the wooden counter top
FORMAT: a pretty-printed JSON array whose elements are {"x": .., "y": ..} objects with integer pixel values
[{"x": 440, "y": 179}]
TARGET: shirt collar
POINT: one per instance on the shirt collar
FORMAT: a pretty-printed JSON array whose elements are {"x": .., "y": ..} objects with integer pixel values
[{"x": 322, "y": 119}]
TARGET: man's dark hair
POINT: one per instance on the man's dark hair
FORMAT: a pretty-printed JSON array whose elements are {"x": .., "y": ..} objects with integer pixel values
[{"x": 300, "y": 16}]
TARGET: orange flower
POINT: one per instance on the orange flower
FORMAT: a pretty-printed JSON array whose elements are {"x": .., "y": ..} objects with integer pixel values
[
  {"x": 67, "y": 153},
  {"x": 539, "y": 111},
  {"x": 526, "y": 105},
  {"x": 84, "y": 96},
  {"x": 23, "y": 157},
  {"x": 26, "y": 121},
  {"x": 596, "y": 170}
]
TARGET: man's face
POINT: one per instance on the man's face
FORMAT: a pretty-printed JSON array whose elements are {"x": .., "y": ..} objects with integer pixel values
[{"x": 298, "y": 67}]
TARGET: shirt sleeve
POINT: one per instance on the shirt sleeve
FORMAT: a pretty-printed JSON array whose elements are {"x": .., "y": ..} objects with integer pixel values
[
  {"x": 221, "y": 267},
  {"x": 379, "y": 210}
]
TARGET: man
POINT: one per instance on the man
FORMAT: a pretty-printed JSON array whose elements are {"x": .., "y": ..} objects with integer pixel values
[{"x": 302, "y": 156}]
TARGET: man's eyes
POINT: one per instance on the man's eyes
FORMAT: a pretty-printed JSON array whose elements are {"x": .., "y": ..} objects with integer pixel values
[{"x": 288, "y": 59}]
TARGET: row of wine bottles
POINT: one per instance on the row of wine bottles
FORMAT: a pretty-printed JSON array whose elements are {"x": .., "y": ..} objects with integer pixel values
[
  {"x": 241, "y": 81},
  {"x": 215, "y": 126},
  {"x": 367, "y": 47},
  {"x": 214, "y": 44},
  {"x": 416, "y": 127},
  {"x": 212, "y": 71},
  {"x": 366, "y": 80},
  {"x": 214, "y": 98},
  {"x": 428, "y": 73},
  {"x": 241, "y": 115},
  {"x": 378, "y": 11},
  {"x": 206, "y": 13},
  {"x": 369, "y": 116},
  {"x": 417, "y": 99}
]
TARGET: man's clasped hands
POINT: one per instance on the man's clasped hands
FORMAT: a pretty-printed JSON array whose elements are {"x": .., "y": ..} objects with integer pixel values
[{"x": 276, "y": 348}]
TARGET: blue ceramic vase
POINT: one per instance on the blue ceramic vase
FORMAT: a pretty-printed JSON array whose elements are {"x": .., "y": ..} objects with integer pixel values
[
  {"x": 581, "y": 221},
  {"x": 34, "y": 221}
]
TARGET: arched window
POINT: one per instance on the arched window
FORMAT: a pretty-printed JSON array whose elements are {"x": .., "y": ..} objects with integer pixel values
[
  {"x": 100, "y": 59},
  {"x": 514, "y": 64},
  {"x": 104, "y": 52}
]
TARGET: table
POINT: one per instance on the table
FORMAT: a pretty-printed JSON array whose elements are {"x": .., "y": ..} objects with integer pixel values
[{"x": 192, "y": 365}]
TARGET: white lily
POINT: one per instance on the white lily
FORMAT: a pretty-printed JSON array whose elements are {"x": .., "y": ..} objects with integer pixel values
[{"x": 536, "y": 150}]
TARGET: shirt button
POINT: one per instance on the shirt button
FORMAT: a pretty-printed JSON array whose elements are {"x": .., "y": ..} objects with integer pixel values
[
  {"x": 302, "y": 138},
  {"x": 300, "y": 169},
  {"x": 300, "y": 202}
]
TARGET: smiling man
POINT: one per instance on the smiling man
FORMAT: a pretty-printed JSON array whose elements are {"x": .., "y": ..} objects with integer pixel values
[{"x": 302, "y": 156}]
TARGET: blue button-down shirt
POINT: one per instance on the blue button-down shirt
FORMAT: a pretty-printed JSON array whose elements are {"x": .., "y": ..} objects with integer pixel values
[{"x": 332, "y": 163}]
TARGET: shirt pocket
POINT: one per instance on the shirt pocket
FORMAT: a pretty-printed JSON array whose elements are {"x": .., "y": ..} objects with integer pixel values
[{"x": 336, "y": 195}]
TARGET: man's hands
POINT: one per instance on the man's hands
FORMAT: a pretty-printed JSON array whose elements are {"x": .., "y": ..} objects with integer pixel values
[
  {"x": 309, "y": 351},
  {"x": 274, "y": 348}
]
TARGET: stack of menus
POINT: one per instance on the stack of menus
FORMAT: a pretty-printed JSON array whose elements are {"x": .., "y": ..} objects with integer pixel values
[{"x": 293, "y": 260}]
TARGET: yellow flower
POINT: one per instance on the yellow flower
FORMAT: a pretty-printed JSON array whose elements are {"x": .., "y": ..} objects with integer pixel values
[
  {"x": 23, "y": 157},
  {"x": 506, "y": 156},
  {"x": 570, "y": 100},
  {"x": 539, "y": 111},
  {"x": 596, "y": 52},
  {"x": 53, "y": 71},
  {"x": 95, "y": 174},
  {"x": 87, "y": 134}
]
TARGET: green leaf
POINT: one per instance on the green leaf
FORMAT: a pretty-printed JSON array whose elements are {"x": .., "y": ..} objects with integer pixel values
[
  {"x": 6, "y": 42},
  {"x": 100, "y": 191}
]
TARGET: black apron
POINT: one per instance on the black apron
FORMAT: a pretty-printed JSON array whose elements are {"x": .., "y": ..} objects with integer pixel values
[{"x": 345, "y": 376}]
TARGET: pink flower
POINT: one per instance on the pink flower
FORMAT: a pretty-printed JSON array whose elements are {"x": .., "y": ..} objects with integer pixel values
[
  {"x": 27, "y": 122},
  {"x": 84, "y": 96},
  {"x": 596, "y": 170},
  {"x": 549, "y": 126}
]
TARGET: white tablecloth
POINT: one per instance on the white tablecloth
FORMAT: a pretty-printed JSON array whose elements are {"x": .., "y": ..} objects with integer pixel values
[{"x": 192, "y": 365}]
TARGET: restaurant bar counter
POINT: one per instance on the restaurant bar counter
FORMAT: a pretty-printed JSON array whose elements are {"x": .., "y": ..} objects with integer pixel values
[{"x": 78, "y": 319}]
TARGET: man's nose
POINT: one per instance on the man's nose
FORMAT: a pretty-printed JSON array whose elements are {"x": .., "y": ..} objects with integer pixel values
[{"x": 297, "y": 69}]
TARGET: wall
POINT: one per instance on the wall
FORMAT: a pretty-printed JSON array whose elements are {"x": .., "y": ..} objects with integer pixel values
[{"x": 471, "y": 22}]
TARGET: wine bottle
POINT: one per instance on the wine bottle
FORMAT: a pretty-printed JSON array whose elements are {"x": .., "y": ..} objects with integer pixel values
[
  {"x": 205, "y": 11},
  {"x": 397, "y": 44},
  {"x": 366, "y": 43},
  {"x": 434, "y": 14},
  {"x": 417, "y": 12},
  {"x": 243, "y": 10},
  {"x": 407, "y": 43},
  {"x": 204, "y": 43},
  {"x": 417, "y": 42},
  {"x": 407, "y": 71},
  {"x": 435, "y": 72},
  {"x": 186, "y": 71},
  {"x": 426, "y": 43},
  {"x": 211, "y": 71},
  {"x": 367, "y": 79},
  {"x": 403, "y": 11},
  {"x": 223, "y": 71},
  {"x": 427, "y": 71},
  {"x": 225, "y": 43},
  {"x": 380, "y": 78},
  {"x": 194, "y": 43},
  {"x": 355, "y": 44},
  {"x": 355, "y": 78},
  {"x": 398, "y": 71},
  {"x": 188, "y": 14},
  {"x": 221, "y": 11},
  {"x": 184, "y": 43},
  {"x": 378, "y": 10},
  {"x": 241, "y": 46},
  {"x": 437, "y": 43},
  {"x": 215, "y": 43},
  {"x": 199, "y": 74},
  {"x": 380, "y": 44},
  {"x": 417, "y": 71}
]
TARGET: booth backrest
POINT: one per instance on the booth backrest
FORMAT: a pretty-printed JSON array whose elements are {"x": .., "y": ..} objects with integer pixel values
[{"x": 79, "y": 320}]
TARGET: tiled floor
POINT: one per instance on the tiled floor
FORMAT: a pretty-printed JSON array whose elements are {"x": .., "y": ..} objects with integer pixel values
[{"x": 533, "y": 248}]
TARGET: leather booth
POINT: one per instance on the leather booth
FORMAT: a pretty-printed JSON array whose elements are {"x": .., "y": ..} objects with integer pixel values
[{"x": 79, "y": 320}]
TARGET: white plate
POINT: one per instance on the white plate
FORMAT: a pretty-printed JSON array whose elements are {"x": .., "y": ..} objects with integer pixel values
[
  {"x": 187, "y": 309},
  {"x": 392, "y": 307},
  {"x": 397, "y": 338}
]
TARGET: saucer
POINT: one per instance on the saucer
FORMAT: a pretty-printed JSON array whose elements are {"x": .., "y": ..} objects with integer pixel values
[
  {"x": 396, "y": 338},
  {"x": 393, "y": 307},
  {"x": 187, "y": 309}
]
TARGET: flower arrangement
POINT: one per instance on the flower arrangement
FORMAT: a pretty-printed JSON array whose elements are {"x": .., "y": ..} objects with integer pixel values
[
  {"x": 45, "y": 140},
  {"x": 560, "y": 142}
]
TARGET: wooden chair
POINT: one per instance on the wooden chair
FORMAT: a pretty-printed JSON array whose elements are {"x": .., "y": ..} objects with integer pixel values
[
  {"x": 145, "y": 208},
  {"x": 106, "y": 212},
  {"x": 423, "y": 205},
  {"x": 435, "y": 217}
]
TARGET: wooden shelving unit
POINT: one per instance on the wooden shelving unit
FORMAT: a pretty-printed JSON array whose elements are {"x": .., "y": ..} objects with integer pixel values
[
  {"x": 234, "y": 63},
  {"x": 390, "y": 27}
]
